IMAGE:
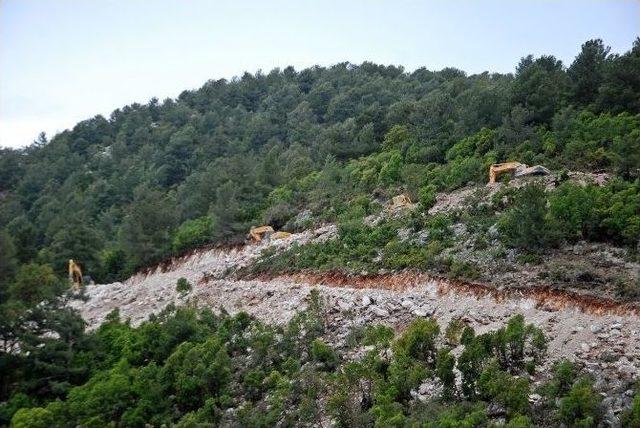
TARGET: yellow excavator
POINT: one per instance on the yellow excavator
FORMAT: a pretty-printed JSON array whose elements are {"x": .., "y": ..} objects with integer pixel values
[
  {"x": 401, "y": 201},
  {"x": 514, "y": 169},
  {"x": 75, "y": 275},
  {"x": 259, "y": 233}
]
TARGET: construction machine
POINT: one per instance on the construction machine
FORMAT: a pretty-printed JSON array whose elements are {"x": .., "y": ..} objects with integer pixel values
[
  {"x": 497, "y": 170},
  {"x": 515, "y": 169},
  {"x": 75, "y": 275},
  {"x": 266, "y": 232},
  {"x": 401, "y": 201}
]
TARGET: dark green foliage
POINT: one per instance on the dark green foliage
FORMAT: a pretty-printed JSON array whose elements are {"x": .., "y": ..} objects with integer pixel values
[
  {"x": 34, "y": 283},
  {"x": 418, "y": 341},
  {"x": 323, "y": 353},
  {"x": 581, "y": 406},
  {"x": 183, "y": 286},
  {"x": 524, "y": 225},
  {"x": 332, "y": 144},
  {"x": 631, "y": 417},
  {"x": 124, "y": 192},
  {"x": 192, "y": 368},
  {"x": 445, "y": 362}
]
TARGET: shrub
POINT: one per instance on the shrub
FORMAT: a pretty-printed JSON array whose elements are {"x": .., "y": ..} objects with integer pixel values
[
  {"x": 525, "y": 225},
  {"x": 445, "y": 362},
  {"x": 631, "y": 418},
  {"x": 563, "y": 377},
  {"x": 183, "y": 286},
  {"x": 574, "y": 210},
  {"x": 193, "y": 233},
  {"x": 377, "y": 335},
  {"x": 323, "y": 353},
  {"x": 509, "y": 391},
  {"x": 581, "y": 407},
  {"x": 464, "y": 269},
  {"x": 518, "y": 344},
  {"x": 427, "y": 196},
  {"x": 36, "y": 417},
  {"x": 454, "y": 331},
  {"x": 418, "y": 341}
]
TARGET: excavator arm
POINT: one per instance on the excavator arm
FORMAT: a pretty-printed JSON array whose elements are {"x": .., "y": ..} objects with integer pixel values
[{"x": 75, "y": 275}]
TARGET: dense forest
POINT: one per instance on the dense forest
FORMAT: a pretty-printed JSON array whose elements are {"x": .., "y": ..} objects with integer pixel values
[{"x": 293, "y": 149}]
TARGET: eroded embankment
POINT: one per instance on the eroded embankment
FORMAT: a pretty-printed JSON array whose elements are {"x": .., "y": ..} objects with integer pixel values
[{"x": 545, "y": 297}]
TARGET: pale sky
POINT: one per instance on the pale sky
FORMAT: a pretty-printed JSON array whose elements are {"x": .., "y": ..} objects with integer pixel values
[{"x": 62, "y": 61}]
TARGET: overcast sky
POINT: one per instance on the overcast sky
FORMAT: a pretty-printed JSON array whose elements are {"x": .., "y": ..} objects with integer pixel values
[{"x": 62, "y": 61}]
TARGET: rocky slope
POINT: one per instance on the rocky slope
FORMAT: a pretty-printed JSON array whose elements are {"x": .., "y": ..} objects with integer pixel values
[
  {"x": 583, "y": 325},
  {"x": 601, "y": 335}
]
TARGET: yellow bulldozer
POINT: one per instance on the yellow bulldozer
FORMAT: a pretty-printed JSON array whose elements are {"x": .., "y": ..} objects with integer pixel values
[{"x": 257, "y": 234}]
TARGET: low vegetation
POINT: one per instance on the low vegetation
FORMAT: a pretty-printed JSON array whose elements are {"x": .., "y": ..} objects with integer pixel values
[{"x": 188, "y": 367}]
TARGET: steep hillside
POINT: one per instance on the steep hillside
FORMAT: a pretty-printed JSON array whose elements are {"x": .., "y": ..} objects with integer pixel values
[{"x": 462, "y": 303}]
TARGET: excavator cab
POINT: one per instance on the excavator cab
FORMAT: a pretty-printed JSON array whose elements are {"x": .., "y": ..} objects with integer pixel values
[
  {"x": 257, "y": 234},
  {"x": 75, "y": 275},
  {"x": 515, "y": 169},
  {"x": 499, "y": 169}
]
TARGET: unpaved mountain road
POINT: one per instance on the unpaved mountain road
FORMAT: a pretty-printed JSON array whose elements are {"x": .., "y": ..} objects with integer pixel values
[{"x": 602, "y": 335}]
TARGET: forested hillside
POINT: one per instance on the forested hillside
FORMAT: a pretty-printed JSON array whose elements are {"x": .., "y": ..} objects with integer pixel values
[
  {"x": 157, "y": 179},
  {"x": 295, "y": 149}
]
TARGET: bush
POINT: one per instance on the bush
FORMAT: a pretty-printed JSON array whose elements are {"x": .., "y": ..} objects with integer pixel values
[
  {"x": 35, "y": 417},
  {"x": 573, "y": 208},
  {"x": 323, "y": 353},
  {"x": 445, "y": 362},
  {"x": 454, "y": 331},
  {"x": 631, "y": 418},
  {"x": 563, "y": 378},
  {"x": 581, "y": 407},
  {"x": 192, "y": 234},
  {"x": 525, "y": 224},
  {"x": 508, "y": 391},
  {"x": 418, "y": 341},
  {"x": 427, "y": 196},
  {"x": 183, "y": 286}
]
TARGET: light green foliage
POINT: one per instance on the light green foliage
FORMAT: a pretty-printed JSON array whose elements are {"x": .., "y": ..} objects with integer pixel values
[
  {"x": 188, "y": 368},
  {"x": 563, "y": 378},
  {"x": 453, "y": 332},
  {"x": 574, "y": 209},
  {"x": 192, "y": 234},
  {"x": 519, "y": 345},
  {"x": 390, "y": 171},
  {"x": 125, "y": 192},
  {"x": 498, "y": 386},
  {"x": 427, "y": 196},
  {"x": 397, "y": 137},
  {"x": 377, "y": 335},
  {"x": 197, "y": 371},
  {"x": 36, "y": 417},
  {"x": 519, "y": 421}
]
